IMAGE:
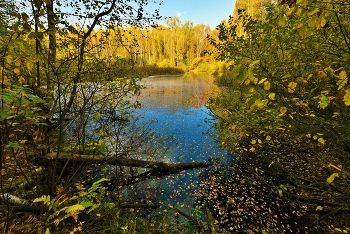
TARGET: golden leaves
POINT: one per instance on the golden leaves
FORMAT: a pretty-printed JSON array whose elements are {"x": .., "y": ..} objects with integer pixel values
[
  {"x": 343, "y": 80},
  {"x": 267, "y": 85},
  {"x": 320, "y": 23},
  {"x": 16, "y": 71},
  {"x": 291, "y": 87},
  {"x": 332, "y": 177},
  {"x": 342, "y": 75},
  {"x": 283, "y": 110},
  {"x": 346, "y": 97},
  {"x": 321, "y": 141}
]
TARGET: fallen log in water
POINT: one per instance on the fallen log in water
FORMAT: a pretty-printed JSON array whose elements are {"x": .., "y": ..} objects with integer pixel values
[
  {"x": 157, "y": 169},
  {"x": 111, "y": 160}
]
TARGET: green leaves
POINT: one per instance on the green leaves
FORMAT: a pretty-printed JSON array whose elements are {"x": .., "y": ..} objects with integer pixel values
[{"x": 323, "y": 103}]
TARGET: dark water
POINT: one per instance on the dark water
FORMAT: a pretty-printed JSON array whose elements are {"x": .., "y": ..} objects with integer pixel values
[{"x": 179, "y": 107}]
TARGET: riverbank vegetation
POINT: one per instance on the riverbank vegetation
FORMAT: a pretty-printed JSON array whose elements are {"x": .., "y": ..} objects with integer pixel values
[
  {"x": 72, "y": 157},
  {"x": 284, "y": 109}
]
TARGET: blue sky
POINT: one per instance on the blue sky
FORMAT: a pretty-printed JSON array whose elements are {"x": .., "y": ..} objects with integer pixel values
[{"x": 210, "y": 12}]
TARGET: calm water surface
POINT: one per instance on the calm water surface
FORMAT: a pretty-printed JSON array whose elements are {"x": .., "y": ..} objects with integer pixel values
[{"x": 178, "y": 104}]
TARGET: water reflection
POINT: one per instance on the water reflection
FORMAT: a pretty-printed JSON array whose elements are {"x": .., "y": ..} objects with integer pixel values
[
  {"x": 179, "y": 106},
  {"x": 177, "y": 91}
]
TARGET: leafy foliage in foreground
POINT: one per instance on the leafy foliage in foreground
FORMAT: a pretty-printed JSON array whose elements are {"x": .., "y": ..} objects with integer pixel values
[
  {"x": 60, "y": 95},
  {"x": 284, "y": 110}
]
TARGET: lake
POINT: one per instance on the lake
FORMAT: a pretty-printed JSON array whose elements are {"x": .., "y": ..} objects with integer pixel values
[{"x": 177, "y": 108}]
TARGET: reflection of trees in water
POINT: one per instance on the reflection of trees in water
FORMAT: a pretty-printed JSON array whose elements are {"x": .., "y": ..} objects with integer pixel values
[{"x": 174, "y": 91}]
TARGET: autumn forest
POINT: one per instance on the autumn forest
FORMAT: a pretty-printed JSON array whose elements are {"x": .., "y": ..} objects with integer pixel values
[{"x": 73, "y": 158}]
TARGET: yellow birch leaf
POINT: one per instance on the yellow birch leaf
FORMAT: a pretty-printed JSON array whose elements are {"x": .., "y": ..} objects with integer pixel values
[
  {"x": 334, "y": 166},
  {"x": 321, "y": 22},
  {"x": 319, "y": 208},
  {"x": 21, "y": 80},
  {"x": 29, "y": 65},
  {"x": 321, "y": 140},
  {"x": 280, "y": 193},
  {"x": 346, "y": 97},
  {"x": 332, "y": 177},
  {"x": 301, "y": 2},
  {"x": 283, "y": 110},
  {"x": 272, "y": 96},
  {"x": 259, "y": 141},
  {"x": 18, "y": 63},
  {"x": 291, "y": 87},
  {"x": 258, "y": 103},
  {"x": 282, "y": 21},
  {"x": 16, "y": 71},
  {"x": 262, "y": 81},
  {"x": 267, "y": 85},
  {"x": 268, "y": 138},
  {"x": 9, "y": 58},
  {"x": 247, "y": 82},
  {"x": 5, "y": 80},
  {"x": 253, "y": 142},
  {"x": 342, "y": 75}
]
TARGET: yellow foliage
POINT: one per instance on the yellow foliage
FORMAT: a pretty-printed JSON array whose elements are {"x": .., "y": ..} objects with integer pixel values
[
  {"x": 332, "y": 177},
  {"x": 262, "y": 81},
  {"x": 291, "y": 87},
  {"x": 267, "y": 85},
  {"x": 283, "y": 110},
  {"x": 342, "y": 75},
  {"x": 302, "y": 2},
  {"x": 16, "y": 71},
  {"x": 321, "y": 22},
  {"x": 272, "y": 96},
  {"x": 18, "y": 63},
  {"x": 346, "y": 97},
  {"x": 21, "y": 80},
  {"x": 321, "y": 140},
  {"x": 334, "y": 166}
]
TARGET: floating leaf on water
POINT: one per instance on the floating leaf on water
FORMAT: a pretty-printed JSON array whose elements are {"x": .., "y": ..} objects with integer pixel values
[
  {"x": 332, "y": 177},
  {"x": 321, "y": 140}
]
